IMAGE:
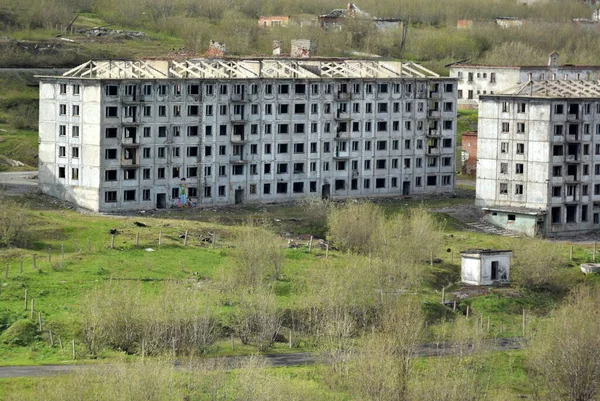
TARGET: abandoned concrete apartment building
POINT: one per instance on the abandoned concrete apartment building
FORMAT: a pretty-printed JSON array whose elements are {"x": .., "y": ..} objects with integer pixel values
[
  {"x": 129, "y": 135},
  {"x": 538, "y": 149}
]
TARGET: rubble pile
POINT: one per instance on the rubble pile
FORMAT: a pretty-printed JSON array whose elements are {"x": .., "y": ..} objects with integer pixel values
[{"x": 101, "y": 31}]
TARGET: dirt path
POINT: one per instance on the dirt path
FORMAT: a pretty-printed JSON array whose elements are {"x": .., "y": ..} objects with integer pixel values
[{"x": 279, "y": 360}]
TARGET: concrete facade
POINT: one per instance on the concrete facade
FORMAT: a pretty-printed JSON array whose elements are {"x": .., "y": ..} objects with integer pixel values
[
  {"x": 477, "y": 80},
  {"x": 119, "y": 135},
  {"x": 538, "y": 169},
  {"x": 485, "y": 267}
]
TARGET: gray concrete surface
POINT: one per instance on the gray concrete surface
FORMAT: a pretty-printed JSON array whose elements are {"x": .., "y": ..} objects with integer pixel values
[{"x": 18, "y": 183}]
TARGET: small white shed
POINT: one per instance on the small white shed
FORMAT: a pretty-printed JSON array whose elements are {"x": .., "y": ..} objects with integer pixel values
[{"x": 485, "y": 266}]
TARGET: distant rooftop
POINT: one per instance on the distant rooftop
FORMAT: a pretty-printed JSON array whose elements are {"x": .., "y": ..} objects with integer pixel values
[
  {"x": 248, "y": 69},
  {"x": 556, "y": 89}
]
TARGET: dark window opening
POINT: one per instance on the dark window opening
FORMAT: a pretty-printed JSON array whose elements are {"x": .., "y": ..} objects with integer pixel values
[{"x": 571, "y": 213}]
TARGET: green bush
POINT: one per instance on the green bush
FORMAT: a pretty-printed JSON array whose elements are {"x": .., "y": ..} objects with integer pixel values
[{"x": 22, "y": 332}]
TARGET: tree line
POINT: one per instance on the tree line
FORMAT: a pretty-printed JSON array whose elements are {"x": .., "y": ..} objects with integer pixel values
[{"x": 431, "y": 38}]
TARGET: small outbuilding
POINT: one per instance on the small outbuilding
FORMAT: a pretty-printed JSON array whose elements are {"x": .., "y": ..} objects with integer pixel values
[{"x": 485, "y": 266}]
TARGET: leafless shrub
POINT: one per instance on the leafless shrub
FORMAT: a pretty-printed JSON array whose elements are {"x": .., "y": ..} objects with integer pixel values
[
  {"x": 14, "y": 223},
  {"x": 565, "y": 352},
  {"x": 258, "y": 321},
  {"x": 538, "y": 265},
  {"x": 180, "y": 320},
  {"x": 354, "y": 226},
  {"x": 258, "y": 257}
]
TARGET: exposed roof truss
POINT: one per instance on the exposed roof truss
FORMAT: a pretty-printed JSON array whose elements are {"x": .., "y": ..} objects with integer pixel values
[
  {"x": 248, "y": 69},
  {"x": 116, "y": 70},
  {"x": 556, "y": 88}
]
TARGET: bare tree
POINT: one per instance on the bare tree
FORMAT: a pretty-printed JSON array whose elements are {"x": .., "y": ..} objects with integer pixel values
[
  {"x": 538, "y": 265},
  {"x": 383, "y": 367},
  {"x": 257, "y": 320},
  {"x": 14, "y": 223},
  {"x": 565, "y": 353},
  {"x": 259, "y": 255},
  {"x": 354, "y": 225}
]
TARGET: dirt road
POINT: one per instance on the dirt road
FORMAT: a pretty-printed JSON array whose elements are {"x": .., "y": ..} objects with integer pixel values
[
  {"x": 279, "y": 360},
  {"x": 18, "y": 183}
]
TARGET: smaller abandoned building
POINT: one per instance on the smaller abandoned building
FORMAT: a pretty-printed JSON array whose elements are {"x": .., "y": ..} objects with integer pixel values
[
  {"x": 336, "y": 19},
  {"x": 476, "y": 80},
  {"x": 485, "y": 266},
  {"x": 274, "y": 21}
]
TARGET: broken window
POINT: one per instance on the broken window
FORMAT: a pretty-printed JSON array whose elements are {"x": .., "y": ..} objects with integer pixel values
[
  {"x": 518, "y": 189},
  {"x": 519, "y": 168},
  {"x": 503, "y": 188},
  {"x": 520, "y": 148}
]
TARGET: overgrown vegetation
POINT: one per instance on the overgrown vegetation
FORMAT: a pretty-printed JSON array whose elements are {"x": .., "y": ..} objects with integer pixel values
[{"x": 365, "y": 315}]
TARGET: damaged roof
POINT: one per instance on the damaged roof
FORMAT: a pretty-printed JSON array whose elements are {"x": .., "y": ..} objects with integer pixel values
[
  {"x": 203, "y": 68},
  {"x": 555, "y": 89}
]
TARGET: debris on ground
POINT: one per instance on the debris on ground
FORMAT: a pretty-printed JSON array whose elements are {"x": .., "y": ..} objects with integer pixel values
[{"x": 103, "y": 31}]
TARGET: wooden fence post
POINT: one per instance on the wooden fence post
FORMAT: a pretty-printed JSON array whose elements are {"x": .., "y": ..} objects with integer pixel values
[
  {"x": 524, "y": 322},
  {"x": 6, "y": 272},
  {"x": 326, "y": 251},
  {"x": 50, "y": 255},
  {"x": 185, "y": 238},
  {"x": 159, "y": 237},
  {"x": 25, "y": 298},
  {"x": 112, "y": 241},
  {"x": 310, "y": 244},
  {"x": 137, "y": 239},
  {"x": 73, "y": 346},
  {"x": 34, "y": 261},
  {"x": 32, "y": 308},
  {"x": 21, "y": 267}
]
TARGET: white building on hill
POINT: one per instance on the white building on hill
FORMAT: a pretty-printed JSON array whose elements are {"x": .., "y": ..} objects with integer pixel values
[{"x": 478, "y": 80}]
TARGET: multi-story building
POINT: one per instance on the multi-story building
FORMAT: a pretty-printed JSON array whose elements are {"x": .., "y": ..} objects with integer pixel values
[
  {"x": 126, "y": 135},
  {"x": 477, "y": 80},
  {"x": 538, "y": 169}
]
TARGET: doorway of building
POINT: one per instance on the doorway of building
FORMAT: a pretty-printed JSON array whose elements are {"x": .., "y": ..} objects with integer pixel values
[
  {"x": 495, "y": 270},
  {"x": 406, "y": 188},
  {"x": 161, "y": 201},
  {"x": 539, "y": 227},
  {"x": 239, "y": 196},
  {"x": 326, "y": 191}
]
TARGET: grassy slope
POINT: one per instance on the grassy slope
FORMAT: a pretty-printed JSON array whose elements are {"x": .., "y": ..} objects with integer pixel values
[
  {"x": 18, "y": 118},
  {"x": 19, "y": 92}
]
